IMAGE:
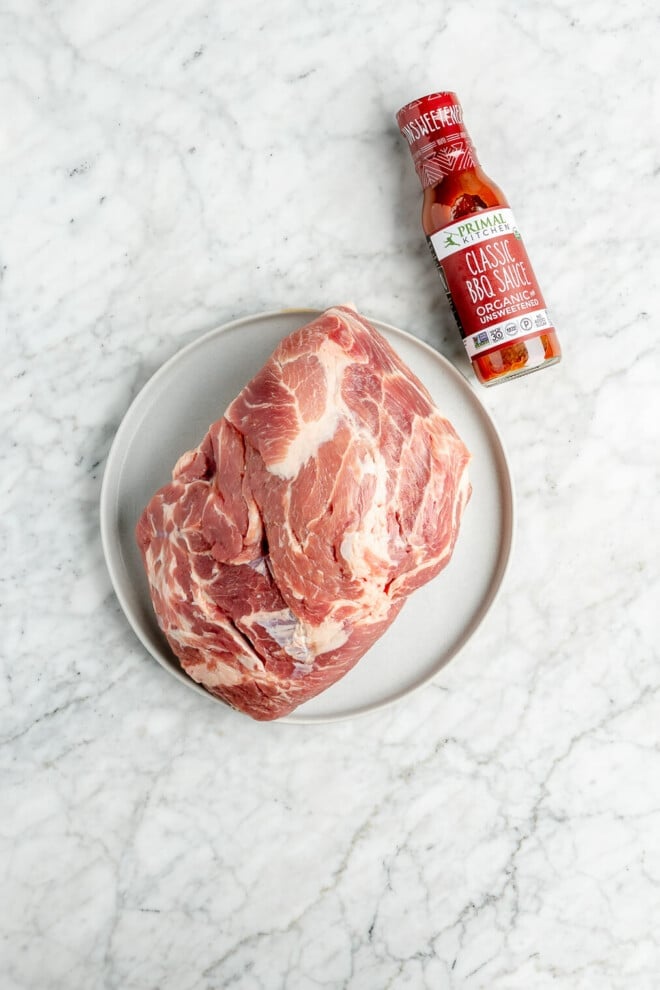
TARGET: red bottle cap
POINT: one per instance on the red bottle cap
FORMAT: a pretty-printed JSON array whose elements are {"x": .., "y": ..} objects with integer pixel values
[{"x": 439, "y": 144}]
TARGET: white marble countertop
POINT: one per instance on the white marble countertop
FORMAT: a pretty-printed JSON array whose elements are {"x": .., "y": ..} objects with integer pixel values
[{"x": 167, "y": 167}]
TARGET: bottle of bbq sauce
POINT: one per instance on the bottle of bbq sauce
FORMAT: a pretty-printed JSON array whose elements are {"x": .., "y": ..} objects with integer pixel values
[{"x": 482, "y": 260}]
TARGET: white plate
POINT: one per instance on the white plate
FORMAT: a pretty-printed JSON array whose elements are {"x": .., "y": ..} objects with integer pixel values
[{"x": 172, "y": 413}]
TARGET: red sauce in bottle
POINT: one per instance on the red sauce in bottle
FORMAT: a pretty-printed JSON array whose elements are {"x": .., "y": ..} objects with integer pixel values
[{"x": 471, "y": 230}]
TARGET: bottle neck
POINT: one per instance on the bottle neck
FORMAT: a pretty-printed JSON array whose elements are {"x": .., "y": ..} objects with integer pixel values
[{"x": 438, "y": 160}]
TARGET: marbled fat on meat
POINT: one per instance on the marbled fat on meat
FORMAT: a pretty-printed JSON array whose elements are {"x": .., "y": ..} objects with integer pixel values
[{"x": 288, "y": 541}]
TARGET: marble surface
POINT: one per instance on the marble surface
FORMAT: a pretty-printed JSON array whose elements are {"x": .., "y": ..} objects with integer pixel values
[{"x": 166, "y": 167}]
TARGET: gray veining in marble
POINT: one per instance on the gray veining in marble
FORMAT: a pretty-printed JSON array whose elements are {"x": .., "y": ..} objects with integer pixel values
[{"x": 165, "y": 167}]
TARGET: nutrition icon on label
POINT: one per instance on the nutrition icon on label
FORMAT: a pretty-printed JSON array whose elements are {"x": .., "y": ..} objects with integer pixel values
[
  {"x": 525, "y": 324},
  {"x": 511, "y": 329}
]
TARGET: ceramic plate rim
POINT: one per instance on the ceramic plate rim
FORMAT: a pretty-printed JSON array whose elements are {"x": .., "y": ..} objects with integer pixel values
[{"x": 118, "y": 454}]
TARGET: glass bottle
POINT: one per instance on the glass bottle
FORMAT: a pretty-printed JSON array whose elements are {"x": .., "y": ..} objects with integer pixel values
[{"x": 471, "y": 230}]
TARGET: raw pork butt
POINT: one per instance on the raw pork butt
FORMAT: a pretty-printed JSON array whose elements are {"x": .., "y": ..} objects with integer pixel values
[{"x": 288, "y": 541}]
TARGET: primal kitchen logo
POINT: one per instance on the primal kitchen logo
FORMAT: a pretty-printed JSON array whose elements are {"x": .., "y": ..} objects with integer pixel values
[{"x": 479, "y": 228}]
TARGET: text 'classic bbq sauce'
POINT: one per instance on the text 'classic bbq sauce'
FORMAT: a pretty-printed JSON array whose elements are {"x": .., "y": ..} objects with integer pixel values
[{"x": 482, "y": 260}]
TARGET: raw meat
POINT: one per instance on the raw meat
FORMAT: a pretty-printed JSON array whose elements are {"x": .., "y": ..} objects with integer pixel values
[{"x": 288, "y": 541}]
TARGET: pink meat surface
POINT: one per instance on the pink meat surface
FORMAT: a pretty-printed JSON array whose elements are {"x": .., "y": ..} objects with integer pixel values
[{"x": 289, "y": 540}]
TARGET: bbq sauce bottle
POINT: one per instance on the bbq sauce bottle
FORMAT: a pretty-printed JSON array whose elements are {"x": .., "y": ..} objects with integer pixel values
[{"x": 485, "y": 269}]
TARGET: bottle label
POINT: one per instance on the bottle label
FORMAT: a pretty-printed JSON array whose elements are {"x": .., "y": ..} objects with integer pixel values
[{"x": 489, "y": 280}]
